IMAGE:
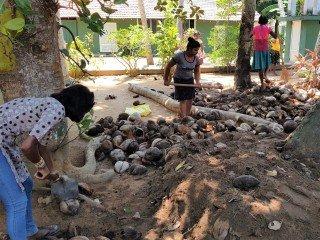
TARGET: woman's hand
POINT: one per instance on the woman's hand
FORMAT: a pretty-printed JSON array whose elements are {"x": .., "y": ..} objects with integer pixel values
[{"x": 42, "y": 173}]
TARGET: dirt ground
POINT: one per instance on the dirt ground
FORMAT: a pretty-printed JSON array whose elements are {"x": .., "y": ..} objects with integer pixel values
[
  {"x": 118, "y": 85},
  {"x": 199, "y": 201}
]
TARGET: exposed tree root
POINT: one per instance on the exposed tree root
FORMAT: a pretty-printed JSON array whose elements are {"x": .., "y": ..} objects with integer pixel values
[{"x": 86, "y": 173}]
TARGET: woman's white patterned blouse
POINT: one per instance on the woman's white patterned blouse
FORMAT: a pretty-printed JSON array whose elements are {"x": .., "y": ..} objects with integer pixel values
[{"x": 34, "y": 116}]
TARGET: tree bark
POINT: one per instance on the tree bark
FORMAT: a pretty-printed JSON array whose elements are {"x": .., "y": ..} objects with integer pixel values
[
  {"x": 304, "y": 141},
  {"x": 145, "y": 27},
  {"x": 38, "y": 72},
  {"x": 242, "y": 78}
]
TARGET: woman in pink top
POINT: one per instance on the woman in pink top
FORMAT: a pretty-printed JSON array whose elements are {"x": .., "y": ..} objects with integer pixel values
[{"x": 261, "y": 56}]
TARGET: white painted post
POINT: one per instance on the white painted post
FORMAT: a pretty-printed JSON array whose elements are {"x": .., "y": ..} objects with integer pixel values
[
  {"x": 295, "y": 40},
  {"x": 316, "y": 7},
  {"x": 293, "y": 7},
  {"x": 289, "y": 7},
  {"x": 308, "y": 6}
]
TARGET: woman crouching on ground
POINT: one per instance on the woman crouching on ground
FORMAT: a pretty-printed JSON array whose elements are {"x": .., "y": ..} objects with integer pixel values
[
  {"x": 187, "y": 72},
  {"x": 37, "y": 117}
]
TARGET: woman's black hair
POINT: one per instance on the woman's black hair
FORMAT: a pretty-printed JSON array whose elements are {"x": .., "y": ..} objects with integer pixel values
[
  {"x": 263, "y": 20},
  {"x": 77, "y": 101},
  {"x": 192, "y": 43}
]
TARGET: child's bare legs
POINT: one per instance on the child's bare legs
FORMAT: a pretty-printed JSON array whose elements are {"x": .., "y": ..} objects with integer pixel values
[
  {"x": 261, "y": 76},
  {"x": 265, "y": 76},
  {"x": 183, "y": 109},
  {"x": 189, "y": 106}
]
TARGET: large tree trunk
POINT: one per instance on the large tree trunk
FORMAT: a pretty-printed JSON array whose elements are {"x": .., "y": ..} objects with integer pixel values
[
  {"x": 38, "y": 72},
  {"x": 304, "y": 141},
  {"x": 242, "y": 75},
  {"x": 145, "y": 27}
]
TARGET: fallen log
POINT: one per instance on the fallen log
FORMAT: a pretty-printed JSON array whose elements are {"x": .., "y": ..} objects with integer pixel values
[{"x": 173, "y": 105}]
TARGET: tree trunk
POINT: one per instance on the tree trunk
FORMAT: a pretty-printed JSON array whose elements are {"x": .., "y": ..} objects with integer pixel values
[
  {"x": 317, "y": 46},
  {"x": 304, "y": 141},
  {"x": 242, "y": 75},
  {"x": 38, "y": 72},
  {"x": 145, "y": 27},
  {"x": 180, "y": 22}
]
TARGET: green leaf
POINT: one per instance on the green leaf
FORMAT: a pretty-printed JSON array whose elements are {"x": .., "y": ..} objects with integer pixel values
[
  {"x": 65, "y": 52},
  {"x": 15, "y": 24},
  {"x": 120, "y": 2},
  {"x": 2, "y": 6},
  {"x": 127, "y": 210},
  {"x": 108, "y": 10},
  {"x": 24, "y": 5},
  {"x": 181, "y": 165},
  {"x": 83, "y": 64}
]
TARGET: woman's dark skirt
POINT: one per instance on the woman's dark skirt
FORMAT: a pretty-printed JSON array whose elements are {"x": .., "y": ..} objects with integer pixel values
[{"x": 184, "y": 93}]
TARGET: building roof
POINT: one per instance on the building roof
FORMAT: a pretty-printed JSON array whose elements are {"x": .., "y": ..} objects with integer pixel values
[{"x": 131, "y": 11}]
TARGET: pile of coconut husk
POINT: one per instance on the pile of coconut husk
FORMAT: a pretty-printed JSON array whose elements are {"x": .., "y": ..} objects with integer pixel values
[
  {"x": 132, "y": 144},
  {"x": 278, "y": 103}
]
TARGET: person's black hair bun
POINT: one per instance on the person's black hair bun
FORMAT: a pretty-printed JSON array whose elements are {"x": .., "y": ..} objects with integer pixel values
[{"x": 190, "y": 39}]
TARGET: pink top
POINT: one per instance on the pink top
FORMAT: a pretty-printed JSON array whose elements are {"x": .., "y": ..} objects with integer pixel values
[{"x": 260, "y": 37}]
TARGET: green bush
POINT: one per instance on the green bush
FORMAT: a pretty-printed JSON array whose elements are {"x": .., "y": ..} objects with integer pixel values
[
  {"x": 85, "y": 47},
  {"x": 131, "y": 44},
  {"x": 223, "y": 40},
  {"x": 166, "y": 38}
]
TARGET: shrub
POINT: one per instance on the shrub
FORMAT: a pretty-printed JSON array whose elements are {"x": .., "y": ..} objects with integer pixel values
[
  {"x": 166, "y": 38},
  {"x": 223, "y": 40},
  {"x": 131, "y": 44},
  {"x": 85, "y": 47}
]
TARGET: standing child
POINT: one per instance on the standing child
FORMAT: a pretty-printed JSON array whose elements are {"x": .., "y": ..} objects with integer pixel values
[
  {"x": 261, "y": 57},
  {"x": 187, "y": 72},
  {"x": 275, "y": 55}
]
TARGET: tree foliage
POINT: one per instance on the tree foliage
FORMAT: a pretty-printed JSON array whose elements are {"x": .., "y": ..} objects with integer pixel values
[
  {"x": 74, "y": 56},
  {"x": 131, "y": 44},
  {"x": 178, "y": 10},
  {"x": 223, "y": 40},
  {"x": 166, "y": 37}
]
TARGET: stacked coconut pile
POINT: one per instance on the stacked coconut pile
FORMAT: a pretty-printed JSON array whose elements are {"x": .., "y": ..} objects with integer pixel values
[
  {"x": 132, "y": 144},
  {"x": 282, "y": 104}
]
